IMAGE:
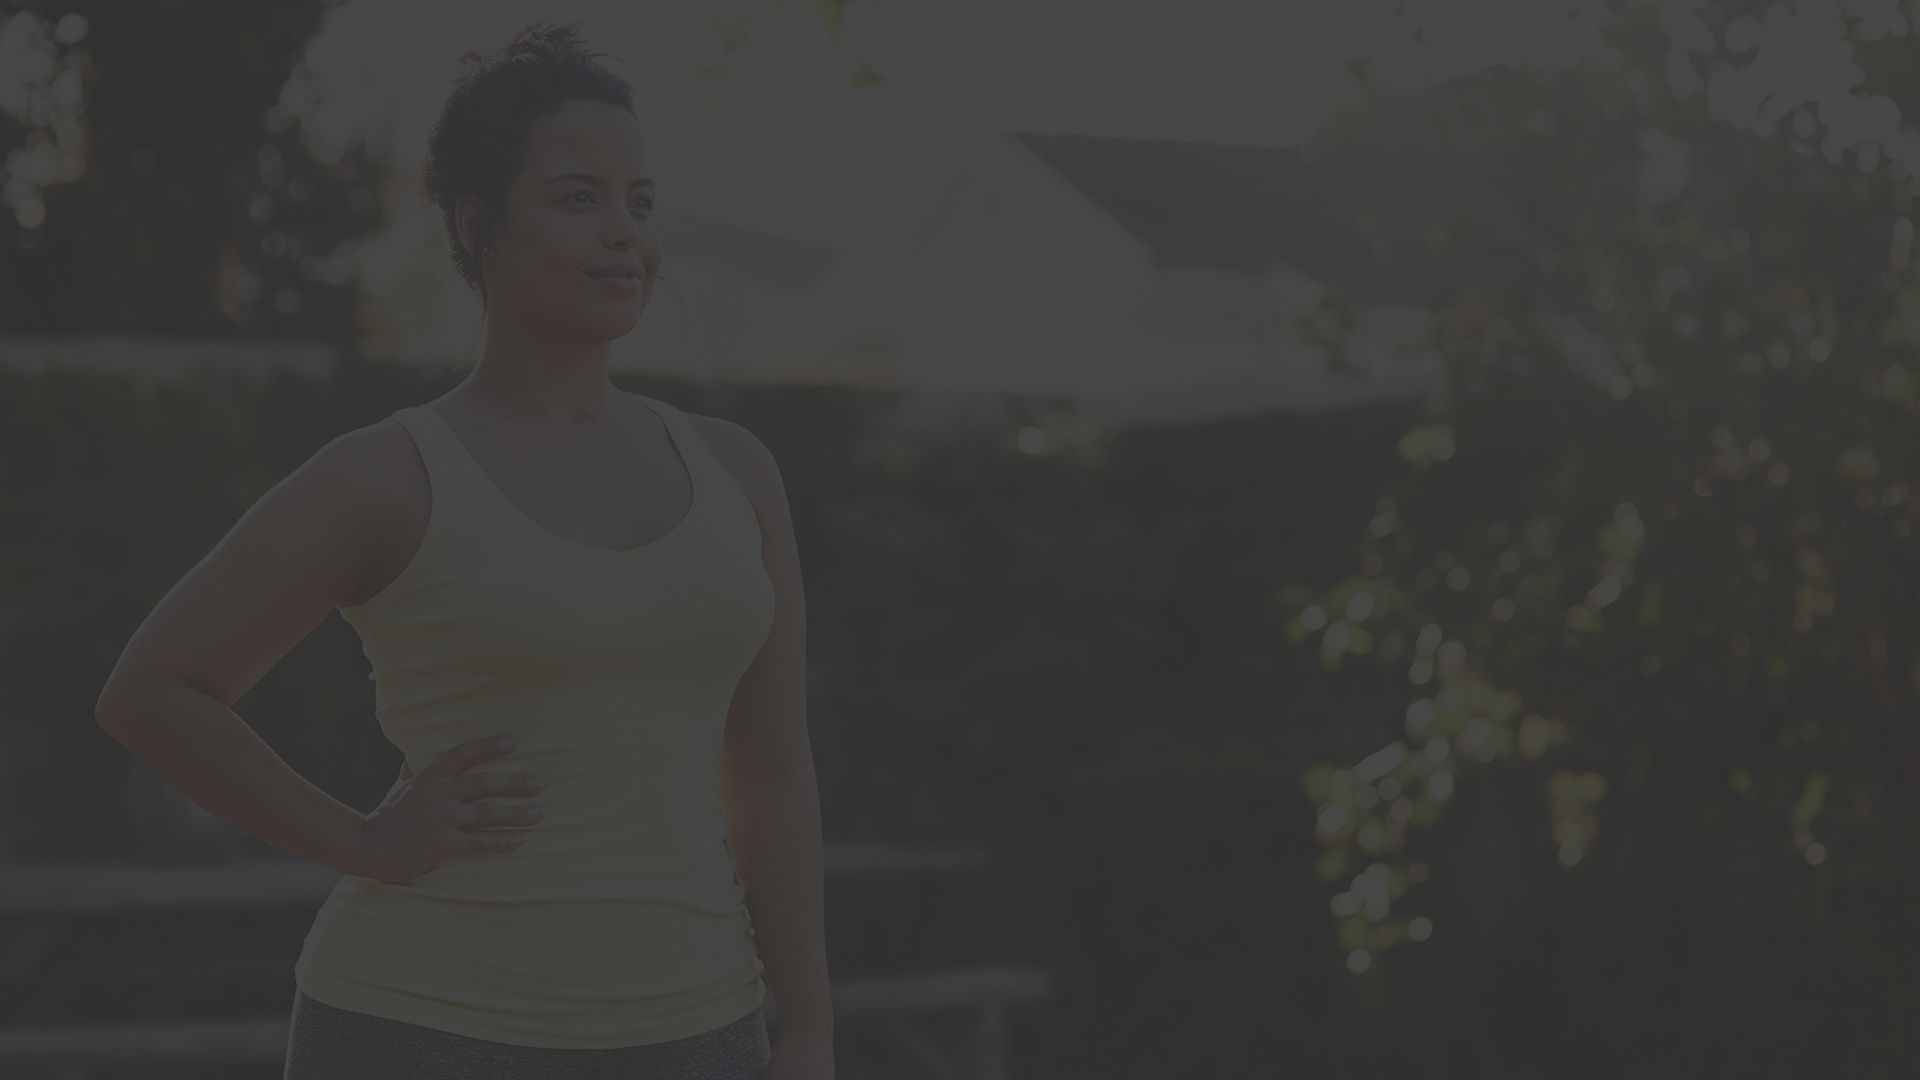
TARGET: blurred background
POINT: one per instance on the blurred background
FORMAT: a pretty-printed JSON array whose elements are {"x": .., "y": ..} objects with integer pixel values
[{"x": 1341, "y": 540}]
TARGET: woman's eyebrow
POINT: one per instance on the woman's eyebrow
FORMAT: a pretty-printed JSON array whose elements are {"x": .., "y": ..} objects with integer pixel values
[{"x": 645, "y": 181}]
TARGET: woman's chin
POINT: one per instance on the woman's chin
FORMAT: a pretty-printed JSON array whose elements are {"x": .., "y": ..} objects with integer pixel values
[{"x": 619, "y": 322}]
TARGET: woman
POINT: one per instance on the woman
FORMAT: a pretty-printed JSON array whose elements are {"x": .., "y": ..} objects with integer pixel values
[{"x": 536, "y": 556}]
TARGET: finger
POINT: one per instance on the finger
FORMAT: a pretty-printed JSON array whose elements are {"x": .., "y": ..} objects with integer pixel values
[
  {"x": 460, "y": 758},
  {"x": 481, "y": 843},
  {"x": 474, "y": 785},
  {"x": 480, "y": 813}
]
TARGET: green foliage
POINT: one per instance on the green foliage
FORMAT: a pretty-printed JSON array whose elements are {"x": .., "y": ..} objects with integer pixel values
[
  {"x": 194, "y": 204},
  {"x": 1655, "y": 531},
  {"x": 734, "y": 29}
]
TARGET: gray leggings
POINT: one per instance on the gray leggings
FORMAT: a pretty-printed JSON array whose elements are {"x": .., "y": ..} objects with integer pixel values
[{"x": 327, "y": 1043}]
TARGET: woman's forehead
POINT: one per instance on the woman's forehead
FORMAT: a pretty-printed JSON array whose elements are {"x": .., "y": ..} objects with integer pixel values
[{"x": 604, "y": 141}]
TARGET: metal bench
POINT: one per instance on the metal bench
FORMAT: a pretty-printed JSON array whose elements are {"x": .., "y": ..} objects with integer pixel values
[
  {"x": 895, "y": 1003},
  {"x": 43, "y": 901},
  {"x": 69, "y": 887}
]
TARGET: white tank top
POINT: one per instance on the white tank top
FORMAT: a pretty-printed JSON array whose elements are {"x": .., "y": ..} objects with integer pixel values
[{"x": 620, "y": 920}]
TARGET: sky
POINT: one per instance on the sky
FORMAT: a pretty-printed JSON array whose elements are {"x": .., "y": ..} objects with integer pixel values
[
  {"x": 1224, "y": 70},
  {"x": 788, "y": 142}
]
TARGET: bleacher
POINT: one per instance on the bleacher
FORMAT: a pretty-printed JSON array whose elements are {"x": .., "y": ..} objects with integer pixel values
[{"x": 945, "y": 1021}]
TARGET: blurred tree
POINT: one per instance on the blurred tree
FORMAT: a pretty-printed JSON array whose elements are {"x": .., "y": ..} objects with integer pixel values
[
  {"x": 732, "y": 31},
  {"x": 1646, "y": 569},
  {"x": 153, "y": 181}
]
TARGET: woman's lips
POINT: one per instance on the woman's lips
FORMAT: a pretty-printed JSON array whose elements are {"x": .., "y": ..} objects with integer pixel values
[{"x": 619, "y": 284}]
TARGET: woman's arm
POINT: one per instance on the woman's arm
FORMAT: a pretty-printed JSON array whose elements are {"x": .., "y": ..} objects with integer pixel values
[
  {"x": 300, "y": 551},
  {"x": 768, "y": 779}
]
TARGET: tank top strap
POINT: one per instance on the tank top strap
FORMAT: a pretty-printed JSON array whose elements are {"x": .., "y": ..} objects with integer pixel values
[
  {"x": 703, "y": 469},
  {"x": 457, "y": 490},
  {"x": 727, "y": 510}
]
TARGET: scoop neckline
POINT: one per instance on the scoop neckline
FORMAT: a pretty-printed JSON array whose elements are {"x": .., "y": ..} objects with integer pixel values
[{"x": 695, "y": 488}]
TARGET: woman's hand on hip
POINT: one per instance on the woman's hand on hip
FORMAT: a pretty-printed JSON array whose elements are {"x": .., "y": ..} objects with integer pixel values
[{"x": 428, "y": 818}]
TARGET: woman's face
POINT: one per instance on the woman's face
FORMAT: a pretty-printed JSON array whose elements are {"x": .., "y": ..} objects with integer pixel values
[{"x": 582, "y": 201}]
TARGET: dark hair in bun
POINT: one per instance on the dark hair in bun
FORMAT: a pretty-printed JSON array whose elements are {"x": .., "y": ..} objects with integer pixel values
[{"x": 479, "y": 141}]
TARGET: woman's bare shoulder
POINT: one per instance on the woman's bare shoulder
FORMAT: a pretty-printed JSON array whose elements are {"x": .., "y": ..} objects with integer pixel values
[
  {"x": 382, "y": 457},
  {"x": 746, "y": 457},
  {"x": 383, "y": 464}
]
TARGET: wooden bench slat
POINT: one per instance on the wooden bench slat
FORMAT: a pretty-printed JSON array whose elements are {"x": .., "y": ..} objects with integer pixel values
[
  {"x": 99, "y": 885},
  {"x": 855, "y": 998}
]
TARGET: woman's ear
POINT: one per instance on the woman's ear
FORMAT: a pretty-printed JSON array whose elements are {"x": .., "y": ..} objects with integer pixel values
[{"x": 466, "y": 212}]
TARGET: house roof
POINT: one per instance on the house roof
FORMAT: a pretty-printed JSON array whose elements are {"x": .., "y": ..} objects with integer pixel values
[
  {"x": 847, "y": 181},
  {"x": 1249, "y": 209}
]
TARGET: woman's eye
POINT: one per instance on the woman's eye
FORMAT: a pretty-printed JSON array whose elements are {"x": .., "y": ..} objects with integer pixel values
[{"x": 643, "y": 203}]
